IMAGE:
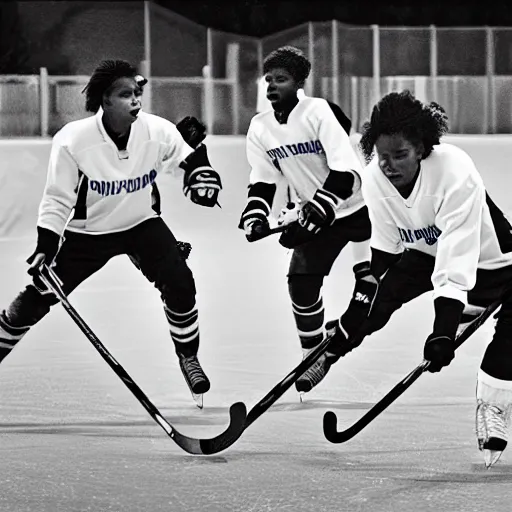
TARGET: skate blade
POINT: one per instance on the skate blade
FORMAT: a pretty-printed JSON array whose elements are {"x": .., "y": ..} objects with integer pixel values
[
  {"x": 302, "y": 395},
  {"x": 198, "y": 399},
  {"x": 491, "y": 457}
]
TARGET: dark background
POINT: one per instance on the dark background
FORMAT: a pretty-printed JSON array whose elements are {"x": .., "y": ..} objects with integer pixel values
[
  {"x": 20, "y": 53},
  {"x": 262, "y": 17}
]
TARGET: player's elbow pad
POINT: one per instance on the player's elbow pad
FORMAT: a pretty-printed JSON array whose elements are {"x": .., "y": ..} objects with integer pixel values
[
  {"x": 259, "y": 202},
  {"x": 340, "y": 183}
]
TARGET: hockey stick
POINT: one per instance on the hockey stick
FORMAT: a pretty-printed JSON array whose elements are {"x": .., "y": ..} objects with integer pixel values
[
  {"x": 270, "y": 232},
  {"x": 330, "y": 419},
  {"x": 237, "y": 411},
  {"x": 281, "y": 387}
]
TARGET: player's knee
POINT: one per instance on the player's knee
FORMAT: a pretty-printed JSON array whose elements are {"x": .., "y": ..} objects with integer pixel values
[
  {"x": 497, "y": 360},
  {"x": 29, "y": 307},
  {"x": 179, "y": 293},
  {"x": 304, "y": 289}
]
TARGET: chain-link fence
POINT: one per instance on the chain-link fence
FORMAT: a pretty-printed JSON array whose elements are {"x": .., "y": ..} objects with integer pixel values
[{"x": 214, "y": 75}]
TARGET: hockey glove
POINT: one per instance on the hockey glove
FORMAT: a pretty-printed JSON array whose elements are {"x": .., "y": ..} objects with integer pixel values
[
  {"x": 184, "y": 248},
  {"x": 202, "y": 184},
  {"x": 361, "y": 302},
  {"x": 192, "y": 131},
  {"x": 440, "y": 345},
  {"x": 47, "y": 244},
  {"x": 319, "y": 212},
  {"x": 256, "y": 228},
  {"x": 440, "y": 351}
]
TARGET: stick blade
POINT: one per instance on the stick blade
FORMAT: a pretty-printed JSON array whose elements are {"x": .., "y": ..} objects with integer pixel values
[
  {"x": 194, "y": 446},
  {"x": 237, "y": 417},
  {"x": 331, "y": 427}
]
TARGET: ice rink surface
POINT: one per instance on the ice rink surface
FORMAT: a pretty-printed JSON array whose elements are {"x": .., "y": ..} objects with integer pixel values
[{"x": 73, "y": 438}]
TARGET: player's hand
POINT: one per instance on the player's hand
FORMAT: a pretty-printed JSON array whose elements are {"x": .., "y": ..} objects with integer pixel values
[
  {"x": 288, "y": 214},
  {"x": 318, "y": 212},
  {"x": 256, "y": 229},
  {"x": 35, "y": 261},
  {"x": 440, "y": 351},
  {"x": 192, "y": 131}
]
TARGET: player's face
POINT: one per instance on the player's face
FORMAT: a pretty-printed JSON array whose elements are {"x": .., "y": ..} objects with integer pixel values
[
  {"x": 281, "y": 87},
  {"x": 124, "y": 100},
  {"x": 398, "y": 159}
]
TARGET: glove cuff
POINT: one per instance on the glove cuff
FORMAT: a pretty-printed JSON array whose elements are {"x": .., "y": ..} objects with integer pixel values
[{"x": 48, "y": 243}]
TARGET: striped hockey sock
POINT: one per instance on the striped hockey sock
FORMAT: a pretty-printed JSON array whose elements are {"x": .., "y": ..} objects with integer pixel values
[
  {"x": 310, "y": 324},
  {"x": 184, "y": 328},
  {"x": 9, "y": 335}
]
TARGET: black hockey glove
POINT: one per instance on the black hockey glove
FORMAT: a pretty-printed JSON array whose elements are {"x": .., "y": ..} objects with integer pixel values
[
  {"x": 184, "y": 248},
  {"x": 256, "y": 228},
  {"x": 48, "y": 244},
  {"x": 318, "y": 212},
  {"x": 440, "y": 351},
  {"x": 192, "y": 131},
  {"x": 361, "y": 302},
  {"x": 200, "y": 182},
  {"x": 440, "y": 345}
]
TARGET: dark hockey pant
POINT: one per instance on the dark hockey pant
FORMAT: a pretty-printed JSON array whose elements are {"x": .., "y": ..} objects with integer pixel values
[
  {"x": 153, "y": 249},
  {"x": 310, "y": 263},
  {"x": 411, "y": 276}
]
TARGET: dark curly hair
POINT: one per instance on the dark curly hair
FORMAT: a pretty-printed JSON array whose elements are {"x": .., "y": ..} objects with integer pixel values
[
  {"x": 290, "y": 58},
  {"x": 401, "y": 113},
  {"x": 102, "y": 79}
]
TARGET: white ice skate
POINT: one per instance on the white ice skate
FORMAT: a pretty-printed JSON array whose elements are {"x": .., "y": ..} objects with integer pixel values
[{"x": 492, "y": 428}]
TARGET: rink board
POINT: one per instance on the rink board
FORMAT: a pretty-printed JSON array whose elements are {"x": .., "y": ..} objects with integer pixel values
[{"x": 74, "y": 439}]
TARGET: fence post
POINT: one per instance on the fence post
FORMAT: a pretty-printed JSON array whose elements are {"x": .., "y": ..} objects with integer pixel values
[
  {"x": 233, "y": 73},
  {"x": 490, "y": 99},
  {"x": 146, "y": 63},
  {"x": 376, "y": 63},
  {"x": 433, "y": 61},
  {"x": 309, "y": 88},
  {"x": 44, "y": 102},
  {"x": 335, "y": 62}
]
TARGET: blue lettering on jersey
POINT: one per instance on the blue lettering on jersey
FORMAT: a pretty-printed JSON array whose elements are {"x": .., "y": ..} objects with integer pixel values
[
  {"x": 430, "y": 234},
  {"x": 113, "y": 188},
  {"x": 302, "y": 148}
]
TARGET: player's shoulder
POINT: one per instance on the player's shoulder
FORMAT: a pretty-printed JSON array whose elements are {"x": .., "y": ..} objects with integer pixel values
[
  {"x": 311, "y": 104},
  {"x": 448, "y": 151},
  {"x": 372, "y": 178},
  {"x": 262, "y": 118},
  {"x": 155, "y": 122},
  {"x": 77, "y": 133},
  {"x": 260, "y": 122},
  {"x": 450, "y": 162}
]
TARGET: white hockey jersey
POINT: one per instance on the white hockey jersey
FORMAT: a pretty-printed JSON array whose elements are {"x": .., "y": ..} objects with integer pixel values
[
  {"x": 303, "y": 151},
  {"x": 448, "y": 215},
  {"x": 118, "y": 184}
]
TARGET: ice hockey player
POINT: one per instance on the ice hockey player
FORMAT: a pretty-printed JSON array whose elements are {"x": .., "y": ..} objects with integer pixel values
[
  {"x": 435, "y": 228},
  {"x": 101, "y": 201},
  {"x": 302, "y": 141}
]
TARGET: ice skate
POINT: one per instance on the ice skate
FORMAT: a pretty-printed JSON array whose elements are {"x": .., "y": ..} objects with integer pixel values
[
  {"x": 492, "y": 426},
  {"x": 312, "y": 377},
  {"x": 195, "y": 378}
]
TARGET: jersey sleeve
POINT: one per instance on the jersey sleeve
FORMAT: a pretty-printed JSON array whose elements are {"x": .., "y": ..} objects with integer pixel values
[
  {"x": 459, "y": 218},
  {"x": 338, "y": 149},
  {"x": 263, "y": 170},
  {"x": 385, "y": 236},
  {"x": 175, "y": 152},
  {"x": 60, "y": 192}
]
